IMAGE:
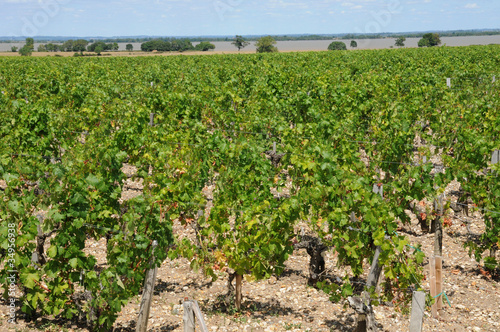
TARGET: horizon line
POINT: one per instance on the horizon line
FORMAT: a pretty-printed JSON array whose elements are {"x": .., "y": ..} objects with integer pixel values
[{"x": 253, "y": 35}]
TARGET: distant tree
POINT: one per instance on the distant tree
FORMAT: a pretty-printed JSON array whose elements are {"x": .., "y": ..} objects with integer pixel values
[
  {"x": 434, "y": 39},
  {"x": 67, "y": 46},
  {"x": 147, "y": 46},
  {"x": 337, "y": 45},
  {"x": 41, "y": 48},
  {"x": 30, "y": 42},
  {"x": 240, "y": 42},
  {"x": 204, "y": 46},
  {"x": 181, "y": 45},
  {"x": 429, "y": 40},
  {"x": 266, "y": 45},
  {"x": 354, "y": 44},
  {"x": 175, "y": 45},
  {"x": 424, "y": 43},
  {"x": 51, "y": 47},
  {"x": 80, "y": 45},
  {"x": 103, "y": 45},
  {"x": 185, "y": 45},
  {"x": 115, "y": 47},
  {"x": 129, "y": 47},
  {"x": 14, "y": 49},
  {"x": 98, "y": 49},
  {"x": 25, "y": 50},
  {"x": 156, "y": 45},
  {"x": 400, "y": 41}
]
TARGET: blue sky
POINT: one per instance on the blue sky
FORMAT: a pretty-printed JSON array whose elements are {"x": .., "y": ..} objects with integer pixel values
[{"x": 244, "y": 17}]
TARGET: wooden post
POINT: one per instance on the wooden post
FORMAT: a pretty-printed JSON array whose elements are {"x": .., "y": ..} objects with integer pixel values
[
  {"x": 274, "y": 147},
  {"x": 151, "y": 119},
  {"x": 237, "y": 301},
  {"x": 199, "y": 316},
  {"x": 366, "y": 317},
  {"x": 147, "y": 294},
  {"x": 495, "y": 157},
  {"x": 438, "y": 235},
  {"x": 448, "y": 82},
  {"x": 372, "y": 282},
  {"x": 375, "y": 269},
  {"x": 432, "y": 284},
  {"x": 35, "y": 258},
  {"x": 362, "y": 325},
  {"x": 438, "y": 238},
  {"x": 439, "y": 283},
  {"x": 360, "y": 308},
  {"x": 417, "y": 311},
  {"x": 188, "y": 317},
  {"x": 494, "y": 79}
]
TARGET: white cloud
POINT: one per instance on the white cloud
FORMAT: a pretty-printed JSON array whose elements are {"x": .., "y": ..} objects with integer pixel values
[{"x": 471, "y": 5}]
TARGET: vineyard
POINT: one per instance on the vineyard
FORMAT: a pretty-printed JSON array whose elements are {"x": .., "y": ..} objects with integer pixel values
[{"x": 232, "y": 162}]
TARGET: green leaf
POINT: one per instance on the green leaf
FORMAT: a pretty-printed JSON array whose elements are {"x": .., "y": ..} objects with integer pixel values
[
  {"x": 15, "y": 207},
  {"x": 378, "y": 237},
  {"x": 119, "y": 282},
  {"x": 29, "y": 280},
  {"x": 10, "y": 177},
  {"x": 346, "y": 290},
  {"x": 73, "y": 262},
  {"x": 34, "y": 299},
  {"x": 93, "y": 180},
  {"x": 52, "y": 251}
]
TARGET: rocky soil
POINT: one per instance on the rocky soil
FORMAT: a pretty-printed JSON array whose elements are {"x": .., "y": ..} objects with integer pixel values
[{"x": 287, "y": 303}]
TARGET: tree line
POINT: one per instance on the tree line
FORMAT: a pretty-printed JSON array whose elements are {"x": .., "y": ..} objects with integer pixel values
[
  {"x": 427, "y": 40},
  {"x": 263, "y": 45},
  {"x": 82, "y": 45},
  {"x": 175, "y": 45},
  {"x": 79, "y": 45},
  {"x": 194, "y": 39}
]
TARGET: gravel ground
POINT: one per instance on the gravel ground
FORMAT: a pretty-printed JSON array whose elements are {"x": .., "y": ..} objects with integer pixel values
[{"x": 286, "y": 303}]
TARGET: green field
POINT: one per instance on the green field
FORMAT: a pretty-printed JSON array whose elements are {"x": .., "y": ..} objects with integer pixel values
[{"x": 342, "y": 121}]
